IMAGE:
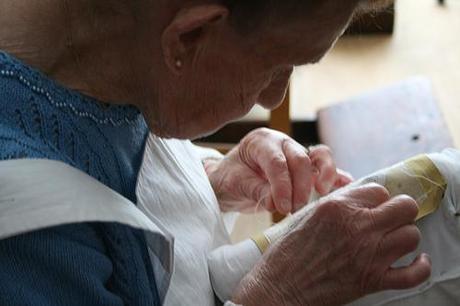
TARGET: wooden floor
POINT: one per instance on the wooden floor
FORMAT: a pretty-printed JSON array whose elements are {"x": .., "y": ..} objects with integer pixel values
[{"x": 426, "y": 42}]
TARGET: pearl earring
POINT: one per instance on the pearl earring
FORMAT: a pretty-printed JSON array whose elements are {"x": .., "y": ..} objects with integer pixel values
[{"x": 179, "y": 63}]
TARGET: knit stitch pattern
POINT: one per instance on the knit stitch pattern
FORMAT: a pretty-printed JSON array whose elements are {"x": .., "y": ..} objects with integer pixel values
[{"x": 84, "y": 264}]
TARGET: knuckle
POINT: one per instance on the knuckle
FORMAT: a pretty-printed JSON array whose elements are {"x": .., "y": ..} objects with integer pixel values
[
  {"x": 379, "y": 191},
  {"x": 254, "y": 136},
  {"x": 409, "y": 201},
  {"x": 278, "y": 162},
  {"x": 248, "y": 143},
  {"x": 261, "y": 132},
  {"x": 301, "y": 160},
  {"x": 323, "y": 149},
  {"x": 409, "y": 205},
  {"x": 330, "y": 208},
  {"x": 372, "y": 218}
]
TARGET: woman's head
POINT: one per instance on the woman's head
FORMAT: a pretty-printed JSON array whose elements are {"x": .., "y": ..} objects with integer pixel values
[
  {"x": 190, "y": 65},
  {"x": 236, "y": 53}
]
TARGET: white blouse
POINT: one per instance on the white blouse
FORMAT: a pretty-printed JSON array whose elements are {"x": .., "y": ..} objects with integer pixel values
[{"x": 174, "y": 190}]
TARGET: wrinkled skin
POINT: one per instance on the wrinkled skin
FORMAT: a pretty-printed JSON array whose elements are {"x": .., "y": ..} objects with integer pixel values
[
  {"x": 342, "y": 251},
  {"x": 269, "y": 170}
]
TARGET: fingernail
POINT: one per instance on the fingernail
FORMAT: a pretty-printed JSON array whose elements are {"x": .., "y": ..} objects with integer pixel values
[{"x": 286, "y": 206}]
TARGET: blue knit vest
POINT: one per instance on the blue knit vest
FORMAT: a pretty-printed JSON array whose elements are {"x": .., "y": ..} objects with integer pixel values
[{"x": 42, "y": 119}]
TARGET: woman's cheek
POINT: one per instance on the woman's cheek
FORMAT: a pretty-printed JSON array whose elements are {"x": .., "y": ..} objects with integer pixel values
[{"x": 273, "y": 96}]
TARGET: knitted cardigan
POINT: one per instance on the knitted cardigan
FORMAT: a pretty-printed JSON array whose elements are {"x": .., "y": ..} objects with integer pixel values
[{"x": 81, "y": 264}]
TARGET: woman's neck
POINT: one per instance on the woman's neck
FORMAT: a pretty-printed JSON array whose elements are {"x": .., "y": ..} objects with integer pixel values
[{"x": 29, "y": 29}]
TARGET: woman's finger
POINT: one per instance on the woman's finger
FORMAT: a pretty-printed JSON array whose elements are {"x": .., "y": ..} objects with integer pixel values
[
  {"x": 343, "y": 179},
  {"x": 321, "y": 158},
  {"x": 256, "y": 190},
  {"x": 273, "y": 163},
  {"x": 398, "y": 211},
  {"x": 367, "y": 196},
  {"x": 407, "y": 277},
  {"x": 300, "y": 169},
  {"x": 399, "y": 243}
]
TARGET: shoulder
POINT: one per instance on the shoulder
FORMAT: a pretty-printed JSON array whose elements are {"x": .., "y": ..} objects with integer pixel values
[
  {"x": 16, "y": 139},
  {"x": 20, "y": 120}
]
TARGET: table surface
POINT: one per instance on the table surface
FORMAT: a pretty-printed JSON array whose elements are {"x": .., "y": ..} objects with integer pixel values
[{"x": 383, "y": 127}]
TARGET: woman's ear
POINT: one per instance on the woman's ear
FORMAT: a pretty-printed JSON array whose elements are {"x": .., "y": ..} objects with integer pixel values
[{"x": 185, "y": 33}]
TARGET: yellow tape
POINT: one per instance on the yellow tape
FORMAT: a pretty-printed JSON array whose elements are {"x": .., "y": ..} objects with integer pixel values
[
  {"x": 262, "y": 242},
  {"x": 423, "y": 181}
]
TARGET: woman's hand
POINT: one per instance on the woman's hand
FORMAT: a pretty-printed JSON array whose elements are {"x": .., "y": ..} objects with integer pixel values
[
  {"x": 342, "y": 251},
  {"x": 270, "y": 170}
]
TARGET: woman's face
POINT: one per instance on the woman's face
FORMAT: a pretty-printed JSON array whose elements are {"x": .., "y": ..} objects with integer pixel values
[{"x": 231, "y": 72}]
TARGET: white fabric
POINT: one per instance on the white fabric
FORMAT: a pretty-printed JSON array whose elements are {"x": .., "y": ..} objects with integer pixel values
[
  {"x": 38, "y": 194},
  {"x": 229, "y": 264},
  {"x": 441, "y": 240},
  {"x": 174, "y": 189},
  {"x": 211, "y": 154},
  {"x": 207, "y": 153}
]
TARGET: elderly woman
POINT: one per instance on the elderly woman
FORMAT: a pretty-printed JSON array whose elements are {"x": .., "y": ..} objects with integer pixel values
[{"x": 83, "y": 82}]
